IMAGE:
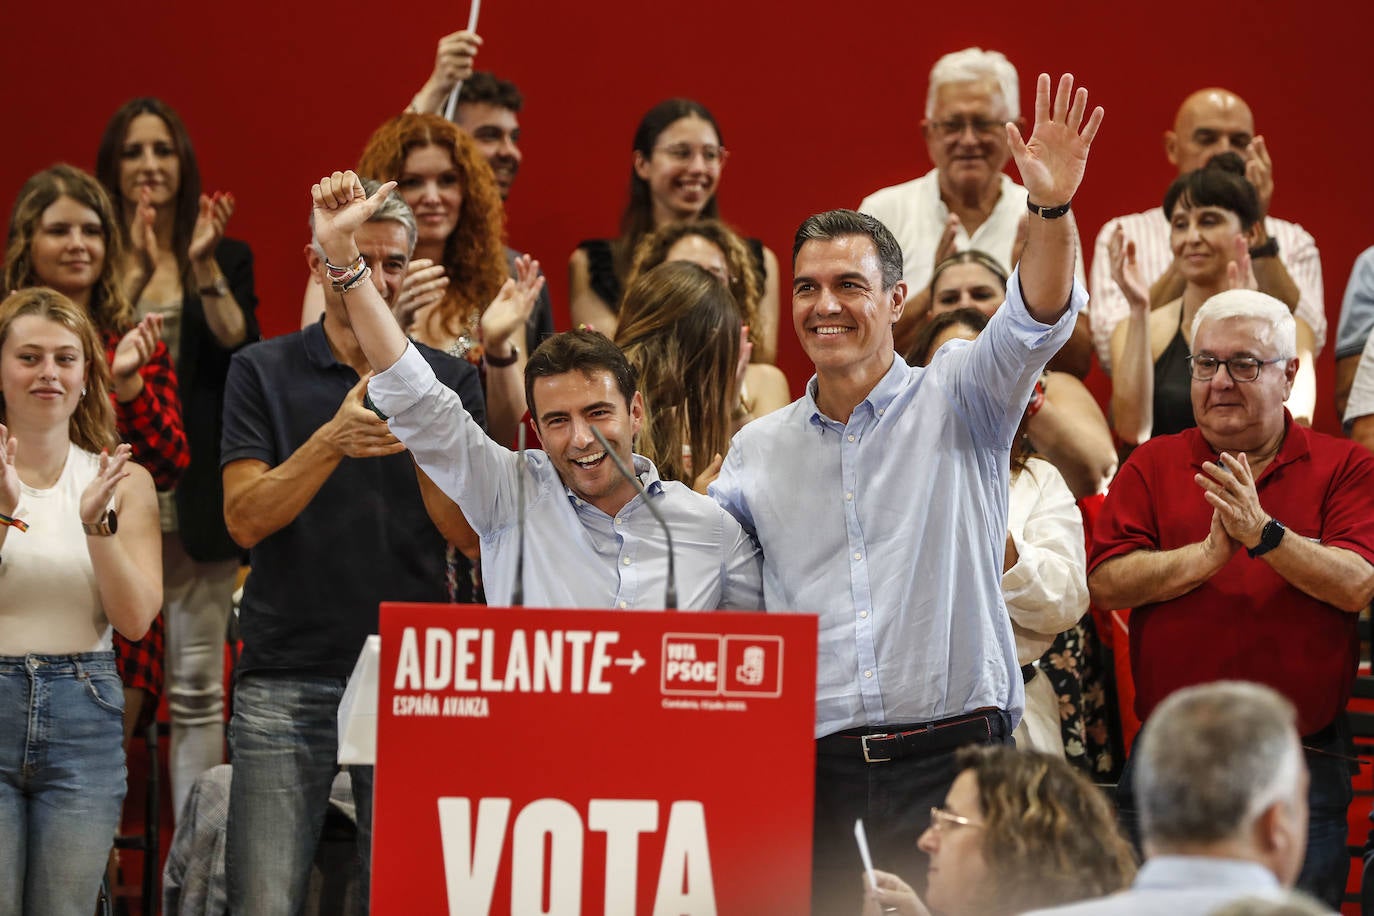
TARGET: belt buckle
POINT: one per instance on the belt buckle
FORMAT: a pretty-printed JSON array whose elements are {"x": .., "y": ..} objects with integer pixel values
[{"x": 867, "y": 757}]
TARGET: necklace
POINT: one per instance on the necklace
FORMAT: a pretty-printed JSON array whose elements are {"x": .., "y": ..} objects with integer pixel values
[{"x": 468, "y": 344}]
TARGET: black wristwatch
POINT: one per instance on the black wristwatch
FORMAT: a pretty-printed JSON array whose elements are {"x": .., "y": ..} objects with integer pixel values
[
  {"x": 1269, "y": 249},
  {"x": 1269, "y": 538}
]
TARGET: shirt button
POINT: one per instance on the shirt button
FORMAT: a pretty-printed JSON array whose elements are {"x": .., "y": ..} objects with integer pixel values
[
  {"x": 880, "y": 411},
  {"x": 851, "y": 437},
  {"x": 624, "y": 604},
  {"x": 863, "y": 615},
  {"x": 868, "y": 673},
  {"x": 858, "y": 556},
  {"x": 626, "y": 561},
  {"x": 618, "y": 521},
  {"x": 849, "y": 497}
]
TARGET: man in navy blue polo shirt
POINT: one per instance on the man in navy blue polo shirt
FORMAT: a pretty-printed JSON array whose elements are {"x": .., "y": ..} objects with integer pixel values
[{"x": 331, "y": 507}]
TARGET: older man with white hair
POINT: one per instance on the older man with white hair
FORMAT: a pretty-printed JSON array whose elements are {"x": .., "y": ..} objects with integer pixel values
[
  {"x": 1246, "y": 548},
  {"x": 967, "y": 200},
  {"x": 1222, "y": 793}
]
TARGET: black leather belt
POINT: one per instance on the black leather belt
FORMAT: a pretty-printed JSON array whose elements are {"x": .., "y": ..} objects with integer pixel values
[{"x": 883, "y": 743}]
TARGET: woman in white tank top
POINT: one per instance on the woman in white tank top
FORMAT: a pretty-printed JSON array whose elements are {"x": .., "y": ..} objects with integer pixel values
[{"x": 80, "y": 551}]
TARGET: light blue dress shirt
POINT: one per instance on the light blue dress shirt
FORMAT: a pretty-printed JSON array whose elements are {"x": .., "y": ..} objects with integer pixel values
[
  {"x": 1180, "y": 886},
  {"x": 575, "y": 554},
  {"x": 893, "y": 526}
]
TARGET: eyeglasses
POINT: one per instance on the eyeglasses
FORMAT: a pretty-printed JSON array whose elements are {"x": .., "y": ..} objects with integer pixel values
[
  {"x": 685, "y": 152},
  {"x": 1240, "y": 368},
  {"x": 940, "y": 819},
  {"x": 955, "y": 127}
]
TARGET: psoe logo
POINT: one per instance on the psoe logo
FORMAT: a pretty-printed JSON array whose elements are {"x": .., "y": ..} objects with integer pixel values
[{"x": 752, "y": 666}]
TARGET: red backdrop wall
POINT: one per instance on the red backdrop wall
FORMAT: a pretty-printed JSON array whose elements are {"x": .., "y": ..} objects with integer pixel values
[{"x": 819, "y": 104}]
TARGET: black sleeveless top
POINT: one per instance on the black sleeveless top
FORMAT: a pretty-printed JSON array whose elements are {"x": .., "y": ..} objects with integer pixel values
[
  {"x": 1173, "y": 400},
  {"x": 604, "y": 282}
]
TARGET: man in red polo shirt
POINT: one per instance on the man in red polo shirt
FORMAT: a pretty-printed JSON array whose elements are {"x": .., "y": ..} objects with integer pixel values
[{"x": 1246, "y": 548}]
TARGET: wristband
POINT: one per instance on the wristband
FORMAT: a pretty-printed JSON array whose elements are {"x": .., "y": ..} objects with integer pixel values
[
  {"x": 336, "y": 272},
  {"x": 501, "y": 362},
  {"x": 218, "y": 289},
  {"x": 353, "y": 282},
  {"x": 343, "y": 278},
  {"x": 1048, "y": 212},
  {"x": 1269, "y": 249},
  {"x": 9, "y": 522}
]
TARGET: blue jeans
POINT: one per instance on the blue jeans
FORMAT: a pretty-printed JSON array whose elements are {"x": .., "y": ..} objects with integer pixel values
[
  {"x": 1327, "y": 864},
  {"x": 283, "y": 741},
  {"x": 62, "y": 780}
]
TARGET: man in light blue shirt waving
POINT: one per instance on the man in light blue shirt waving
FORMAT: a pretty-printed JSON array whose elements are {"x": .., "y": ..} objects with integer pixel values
[{"x": 880, "y": 501}]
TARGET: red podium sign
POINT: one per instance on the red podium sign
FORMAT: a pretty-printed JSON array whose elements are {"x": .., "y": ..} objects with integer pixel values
[{"x": 587, "y": 762}]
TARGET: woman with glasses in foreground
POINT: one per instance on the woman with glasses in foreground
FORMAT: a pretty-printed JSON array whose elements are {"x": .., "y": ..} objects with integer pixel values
[{"x": 1019, "y": 831}]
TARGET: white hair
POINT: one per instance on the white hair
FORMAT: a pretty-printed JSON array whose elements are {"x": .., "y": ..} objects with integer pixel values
[
  {"x": 976, "y": 65},
  {"x": 1257, "y": 306}
]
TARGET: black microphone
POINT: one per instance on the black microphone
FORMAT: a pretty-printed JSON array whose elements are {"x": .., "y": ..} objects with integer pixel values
[
  {"x": 669, "y": 593},
  {"x": 517, "y": 589}
]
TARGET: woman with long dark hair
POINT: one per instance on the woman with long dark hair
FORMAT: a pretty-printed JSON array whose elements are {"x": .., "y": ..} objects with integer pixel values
[
  {"x": 184, "y": 269},
  {"x": 678, "y": 158}
]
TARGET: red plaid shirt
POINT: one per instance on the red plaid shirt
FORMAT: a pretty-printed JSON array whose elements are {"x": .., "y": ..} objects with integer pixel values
[
  {"x": 151, "y": 422},
  {"x": 140, "y": 663}
]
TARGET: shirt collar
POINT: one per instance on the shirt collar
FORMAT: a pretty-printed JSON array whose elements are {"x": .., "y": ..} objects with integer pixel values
[
  {"x": 1199, "y": 872},
  {"x": 317, "y": 348},
  {"x": 878, "y": 399},
  {"x": 648, "y": 478}
]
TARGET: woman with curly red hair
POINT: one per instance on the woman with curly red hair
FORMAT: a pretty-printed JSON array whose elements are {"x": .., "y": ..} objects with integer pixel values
[{"x": 463, "y": 303}]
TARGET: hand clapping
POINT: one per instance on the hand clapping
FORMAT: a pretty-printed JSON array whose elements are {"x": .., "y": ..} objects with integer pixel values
[
  {"x": 1230, "y": 487},
  {"x": 136, "y": 347},
  {"x": 99, "y": 491}
]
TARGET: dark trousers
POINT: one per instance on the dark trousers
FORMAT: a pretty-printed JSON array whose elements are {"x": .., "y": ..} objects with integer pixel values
[
  {"x": 894, "y": 799},
  {"x": 1327, "y": 863}
]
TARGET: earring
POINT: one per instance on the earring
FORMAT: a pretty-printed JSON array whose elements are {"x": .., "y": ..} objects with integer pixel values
[{"x": 83, "y": 392}]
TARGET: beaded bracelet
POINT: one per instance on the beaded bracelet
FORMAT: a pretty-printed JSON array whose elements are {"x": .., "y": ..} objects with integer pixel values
[
  {"x": 343, "y": 286},
  {"x": 345, "y": 278},
  {"x": 13, "y": 522},
  {"x": 336, "y": 272}
]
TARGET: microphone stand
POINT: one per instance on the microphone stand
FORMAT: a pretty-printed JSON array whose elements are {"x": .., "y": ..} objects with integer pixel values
[
  {"x": 517, "y": 590},
  {"x": 669, "y": 592}
]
